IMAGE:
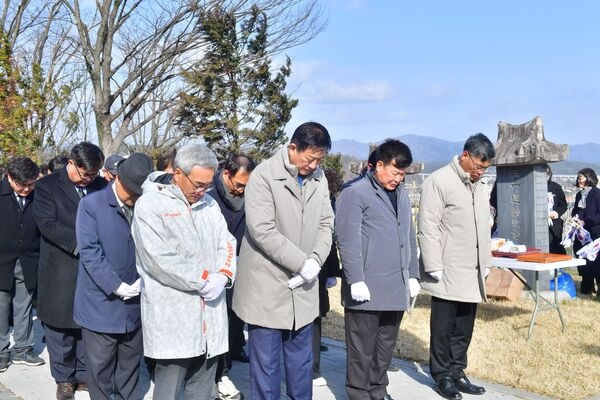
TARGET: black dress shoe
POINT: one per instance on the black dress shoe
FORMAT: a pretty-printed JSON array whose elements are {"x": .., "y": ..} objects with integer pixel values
[
  {"x": 464, "y": 385},
  {"x": 241, "y": 356},
  {"x": 445, "y": 387}
]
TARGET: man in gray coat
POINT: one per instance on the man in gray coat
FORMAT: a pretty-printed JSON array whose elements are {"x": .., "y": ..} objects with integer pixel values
[
  {"x": 289, "y": 224},
  {"x": 454, "y": 236},
  {"x": 377, "y": 243}
]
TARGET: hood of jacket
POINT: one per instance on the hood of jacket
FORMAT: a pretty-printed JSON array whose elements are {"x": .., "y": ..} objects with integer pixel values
[{"x": 160, "y": 182}]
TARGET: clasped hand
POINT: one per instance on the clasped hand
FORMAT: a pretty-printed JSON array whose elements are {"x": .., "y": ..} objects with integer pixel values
[
  {"x": 126, "y": 291},
  {"x": 214, "y": 286}
]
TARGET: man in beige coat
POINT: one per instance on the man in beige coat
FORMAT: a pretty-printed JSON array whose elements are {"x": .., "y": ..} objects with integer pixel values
[
  {"x": 289, "y": 224},
  {"x": 454, "y": 238}
]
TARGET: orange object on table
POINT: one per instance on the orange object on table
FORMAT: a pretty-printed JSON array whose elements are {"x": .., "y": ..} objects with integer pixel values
[{"x": 543, "y": 257}]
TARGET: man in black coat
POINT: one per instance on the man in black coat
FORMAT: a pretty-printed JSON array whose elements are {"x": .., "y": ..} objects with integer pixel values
[
  {"x": 55, "y": 209},
  {"x": 19, "y": 256},
  {"x": 230, "y": 183}
]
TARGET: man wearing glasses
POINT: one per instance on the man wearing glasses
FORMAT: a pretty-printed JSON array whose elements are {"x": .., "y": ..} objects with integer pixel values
[
  {"x": 230, "y": 185},
  {"x": 186, "y": 258},
  {"x": 19, "y": 256},
  {"x": 289, "y": 226},
  {"x": 454, "y": 238},
  {"x": 55, "y": 209}
]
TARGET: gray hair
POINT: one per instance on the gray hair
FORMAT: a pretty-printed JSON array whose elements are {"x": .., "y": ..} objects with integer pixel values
[{"x": 195, "y": 155}]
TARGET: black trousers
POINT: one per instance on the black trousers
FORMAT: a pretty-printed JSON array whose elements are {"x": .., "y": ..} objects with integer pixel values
[
  {"x": 451, "y": 329},
  {"x": 370, "y": 341},
  {"x": 316, "y": 348},
  {"x": 65, "y": 350},
  {"x": 590, "y": 272},
  {"x": 113, "y": 364}
]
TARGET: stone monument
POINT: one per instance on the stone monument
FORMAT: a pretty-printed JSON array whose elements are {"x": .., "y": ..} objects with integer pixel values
[{"x": 522, "y": 153}]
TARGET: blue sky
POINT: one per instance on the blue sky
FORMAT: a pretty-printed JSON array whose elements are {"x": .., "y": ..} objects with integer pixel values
[{"x": 448, "y": 69}]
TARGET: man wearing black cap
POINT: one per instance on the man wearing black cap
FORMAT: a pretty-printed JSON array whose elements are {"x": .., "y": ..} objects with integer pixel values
[
  {"x": 109, "y": 171},
  {"x": 107, "y": 305}
]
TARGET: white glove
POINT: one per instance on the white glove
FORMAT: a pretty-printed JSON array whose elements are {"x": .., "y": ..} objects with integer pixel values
[
  {"x": 413, "y": 286},
  {"x": 137, "y": 284},
  {"x": 331, "y": 282},
  {"x": 437, "y": 275},
  {"x": 295, "y": 281},
  {"x": 214, "y": 286},
  {"x": 486, "y": 272},
  {"x": 310, "y": 270},
  {"x": 126, "y": 291},
  {"x": 360, "y": 292}
]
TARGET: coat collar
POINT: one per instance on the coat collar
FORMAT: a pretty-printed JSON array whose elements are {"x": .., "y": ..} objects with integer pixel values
[
  {"x": 380, "y": 192},
  {"x": 6, "y": 189},
  {"x": 68, "y": 187},
  {"x": 283, "y": 170}
]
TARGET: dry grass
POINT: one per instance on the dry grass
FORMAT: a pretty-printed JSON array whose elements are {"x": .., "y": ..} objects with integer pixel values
[{"x": 562, "y": 366}]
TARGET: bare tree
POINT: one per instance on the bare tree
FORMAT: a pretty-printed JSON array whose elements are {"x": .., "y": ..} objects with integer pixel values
[
  {"x": 37, "y": 31},
  {"x": 133, "y": 49}
]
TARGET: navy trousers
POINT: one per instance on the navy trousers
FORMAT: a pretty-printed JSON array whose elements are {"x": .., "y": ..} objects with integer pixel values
[{"x": 265, "y": 346}]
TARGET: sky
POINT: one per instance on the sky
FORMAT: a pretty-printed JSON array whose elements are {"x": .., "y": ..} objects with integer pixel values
[{"x": 450, "y": 68}]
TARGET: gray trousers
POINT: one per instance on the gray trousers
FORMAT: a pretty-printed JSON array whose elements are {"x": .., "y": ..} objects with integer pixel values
[
  {"x": 112, "y": 362},
  {"x": 370, "y": 342},
  {"x": 196, "y": 374},
  {"x": 22, "y": 316}
]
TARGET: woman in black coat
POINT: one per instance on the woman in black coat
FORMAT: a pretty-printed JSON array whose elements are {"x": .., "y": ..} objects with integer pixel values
[
  {"x": 556, "y": 199},
  {"x": 587, "y": 209}
]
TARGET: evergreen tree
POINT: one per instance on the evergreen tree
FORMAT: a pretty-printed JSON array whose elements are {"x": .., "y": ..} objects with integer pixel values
[
  {"x": 16, "y": 139},
  {"x": 334, "y": 163},
  {"x": 232, "y": 99}
]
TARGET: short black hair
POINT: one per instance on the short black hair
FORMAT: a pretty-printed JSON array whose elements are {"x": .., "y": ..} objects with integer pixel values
[
  {"x": 163, "y": 161},
  {"x": 57, "y": 163},
  {"x": 311, "y": 135},
  {"x": 590, "y": 176},
  {"x": 87, "y": 155},
  {"x": 479, "y": 146},
  {"x": 22, "y": 169},
  {"x": 395, "y": 152},
  {"x": 238, "y": 161}
]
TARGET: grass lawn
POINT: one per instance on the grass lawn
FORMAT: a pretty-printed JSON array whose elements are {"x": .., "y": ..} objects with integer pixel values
[{"x": 555, "y": 364}]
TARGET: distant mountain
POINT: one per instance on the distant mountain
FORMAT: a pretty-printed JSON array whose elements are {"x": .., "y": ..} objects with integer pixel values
[
  {"x": 585, "y": 153},
  {"x": 423, "y": 148},
  {"x": 436, "y": 152}
]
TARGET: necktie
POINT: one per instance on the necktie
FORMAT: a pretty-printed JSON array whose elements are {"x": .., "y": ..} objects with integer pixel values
[
  {"x": 128, "y": 213},
  {"x": 22, "y": 200},
  {"x": 80, "y": 192}
]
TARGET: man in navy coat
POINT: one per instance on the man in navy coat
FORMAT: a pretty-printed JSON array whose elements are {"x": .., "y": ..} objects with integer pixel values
[
  {"x": 19, "y": 256},
  {"x": 107, "y": 304},
  {"x": 55, "y": 207}
]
